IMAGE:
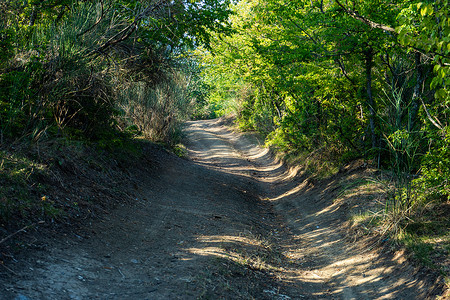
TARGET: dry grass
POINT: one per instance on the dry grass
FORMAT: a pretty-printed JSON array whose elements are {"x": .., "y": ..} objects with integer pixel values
[{"x": 423, "y": 230}]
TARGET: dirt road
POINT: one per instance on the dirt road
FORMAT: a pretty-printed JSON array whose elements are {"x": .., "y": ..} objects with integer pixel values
[{"x": 228, "y": 223}]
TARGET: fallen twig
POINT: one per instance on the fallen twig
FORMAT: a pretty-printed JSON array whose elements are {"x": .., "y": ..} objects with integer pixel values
[
  {"x": 123, "y": 276},
  {"x": 8, "y": 269},
  {"x": 19, "y": 231}
]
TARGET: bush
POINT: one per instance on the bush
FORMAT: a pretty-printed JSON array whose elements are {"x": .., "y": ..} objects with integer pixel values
[
  {"x": 157, "y": 111},
  {"x": 435, "y": 180}
]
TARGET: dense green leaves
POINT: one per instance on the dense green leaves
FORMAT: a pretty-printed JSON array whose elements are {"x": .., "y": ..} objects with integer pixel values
[
  {"x": 66, "y": 65},
  {"x": 347, "y": 78},
  {"x": 425, "y": 27},
  {"x": 344, "y": 78}
]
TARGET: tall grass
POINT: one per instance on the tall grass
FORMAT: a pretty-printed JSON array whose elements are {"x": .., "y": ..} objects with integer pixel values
[
  {"x": 402, "y": 146},
  {"x": 51, "y": 82},
  {"x": 157, "y": 110},
  {"x": 63, "y": 86}
]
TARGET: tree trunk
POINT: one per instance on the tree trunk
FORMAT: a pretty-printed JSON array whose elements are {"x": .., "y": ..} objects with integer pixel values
[
  {"x": 370, "y": 101},
  {"x": 33, "y": 16},
  {"x": 416, "y": 94},
  {"x": 61, "y": 14}
]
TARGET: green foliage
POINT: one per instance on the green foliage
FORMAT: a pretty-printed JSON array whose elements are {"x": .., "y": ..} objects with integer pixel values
[
  {"x": 97, "y": 71},
  {"x": 6, "y": 46},
  {"x": 156, "y": 110},
  {"x": 17, "y": 199},
  {"x": 17, "y": 97},
  {"x": 434, "y": 182},
  {"x": 426, "y": 26},
  {"x": 337, "y": 80},
  {"x": 316, "y": 72},
  {"x": 65, "y": 65}
]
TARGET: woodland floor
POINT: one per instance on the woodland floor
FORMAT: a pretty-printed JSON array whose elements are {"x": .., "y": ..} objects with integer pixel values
[{"x": 229, "y": 222}]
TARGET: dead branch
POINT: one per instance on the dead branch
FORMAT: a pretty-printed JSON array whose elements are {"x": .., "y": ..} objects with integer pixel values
[
  {"x": 433, "y": 121},
  {"x": 19, "y": 231},
  {"x": 371, "y": 23},
  {"x": 129, "y": 30},
  {"x": 8, "y": 269}
]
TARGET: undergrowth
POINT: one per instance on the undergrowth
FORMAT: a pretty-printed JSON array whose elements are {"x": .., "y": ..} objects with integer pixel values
[
  {"x": 423, "y": 229},
  {"x": 64, "y": 180},
  {"x": 67, "y": 110},
  {"x": 21, "y": 195}
]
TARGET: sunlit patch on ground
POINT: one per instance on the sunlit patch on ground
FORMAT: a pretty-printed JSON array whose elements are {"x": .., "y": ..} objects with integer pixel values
[{"x": 320, "y": 256}]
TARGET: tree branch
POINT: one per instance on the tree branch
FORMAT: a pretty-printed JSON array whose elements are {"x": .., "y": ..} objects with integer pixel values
[
  {"x": 430, "y": 118},
  {"x": 371, "y": 23},
  {"x": 96, "y": 23},
  {"x": 19, "y": 231},
  {"x": 128, "y": 31},
  {"x": 342, "y": 67}
]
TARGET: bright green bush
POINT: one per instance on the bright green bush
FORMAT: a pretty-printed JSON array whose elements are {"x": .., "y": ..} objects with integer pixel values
[{"x": 434, "y": 182}]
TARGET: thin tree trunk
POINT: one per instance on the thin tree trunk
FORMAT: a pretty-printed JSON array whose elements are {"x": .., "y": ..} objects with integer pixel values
[
  {"x": 276, "y": 104},
  {"x": 416, "y": 94},
  {"x": 33, "y": 16},
  {"x": 61, "y": 14},
  {"x": 370, "y": 100}
]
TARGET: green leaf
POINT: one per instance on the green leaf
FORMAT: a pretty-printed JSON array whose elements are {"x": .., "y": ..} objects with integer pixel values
[
  {"x": 426, "y": 10},
  {"x": 434, "y": 83},
  {"x": 441, "y": 94}
]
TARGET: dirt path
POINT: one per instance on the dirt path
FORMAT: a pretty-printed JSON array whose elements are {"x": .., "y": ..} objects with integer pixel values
[{"x": 231, "y": 223}]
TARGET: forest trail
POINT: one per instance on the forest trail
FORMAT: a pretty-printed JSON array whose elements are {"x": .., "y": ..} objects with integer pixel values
[{"x": 230, "y": 223}]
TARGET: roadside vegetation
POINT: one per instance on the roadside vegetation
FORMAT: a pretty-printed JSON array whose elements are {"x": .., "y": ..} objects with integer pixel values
[
  {"x": 80, "y": 80},
  {"x": 328, "y": 82}
]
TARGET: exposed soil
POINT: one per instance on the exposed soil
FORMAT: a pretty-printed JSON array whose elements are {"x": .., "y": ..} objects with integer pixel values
[{"x": 230, "y": 222}]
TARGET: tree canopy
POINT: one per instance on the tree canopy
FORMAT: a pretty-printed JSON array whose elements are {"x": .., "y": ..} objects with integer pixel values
[
  {"x": 77, "y": 68},
  {"x": 346, "y": 79}
]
